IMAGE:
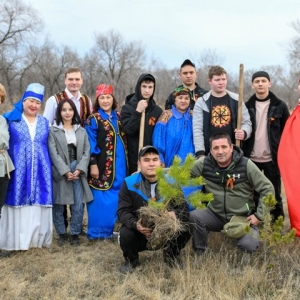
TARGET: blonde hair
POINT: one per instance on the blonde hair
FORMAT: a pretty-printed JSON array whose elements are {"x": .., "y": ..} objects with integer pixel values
[{"x": 2, "y": 93}]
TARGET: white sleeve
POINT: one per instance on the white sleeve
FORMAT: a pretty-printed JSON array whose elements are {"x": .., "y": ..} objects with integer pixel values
[{"x": 50, "y": 109}]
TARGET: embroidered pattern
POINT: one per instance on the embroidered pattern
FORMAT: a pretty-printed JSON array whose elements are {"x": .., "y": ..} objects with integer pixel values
[
  {"x": 106, "y": 180},
  {"x": 32, "y": 178}
]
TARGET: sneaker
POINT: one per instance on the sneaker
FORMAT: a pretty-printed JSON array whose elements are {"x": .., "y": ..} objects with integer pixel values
[
  {"x": 74, "y": 240},
  {"x": 4, "y": 253},
  {"x": 62, "y": 239},
  {"x": 129, "y": 266}
]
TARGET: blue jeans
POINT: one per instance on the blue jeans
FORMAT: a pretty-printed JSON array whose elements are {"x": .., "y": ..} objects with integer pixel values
[{"x": 76, "y": 209}]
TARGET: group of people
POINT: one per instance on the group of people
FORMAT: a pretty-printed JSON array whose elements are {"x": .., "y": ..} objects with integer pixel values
[{"x": 83, "y": 152}]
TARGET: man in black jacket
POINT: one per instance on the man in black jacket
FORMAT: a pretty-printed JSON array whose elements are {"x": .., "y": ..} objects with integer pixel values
[
  {"x": 137, "y": 189},
  {"x": 141, "y": 100},
  {"x": 188, "y": 75},
  {"x": 268, "y": 115}
]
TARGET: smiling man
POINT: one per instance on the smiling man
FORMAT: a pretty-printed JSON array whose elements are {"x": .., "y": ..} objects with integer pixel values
[
  {"x": 217, "y": 111},
  {"x": 268, "y": 115},
  {"x": 141, "y": 100},
  {"x": 73, "y": 82},
  {"x": 136, "y": 191},
  {"x": 231, "y": 177}
]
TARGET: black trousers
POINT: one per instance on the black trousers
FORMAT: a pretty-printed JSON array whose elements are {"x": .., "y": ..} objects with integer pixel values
[
  {"x": 3, "y": 189},
  {"x": 271, "y": 171},
  {"x": 132, "y": 242}
]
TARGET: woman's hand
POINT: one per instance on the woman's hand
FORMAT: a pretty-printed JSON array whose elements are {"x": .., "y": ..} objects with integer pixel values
[
  {"x": 69, "y": 176},
  {"x": 94, "y": 171},
  {"x": 76, "y": 174}
]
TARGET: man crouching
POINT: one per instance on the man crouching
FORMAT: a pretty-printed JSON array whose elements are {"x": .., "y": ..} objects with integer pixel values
[
  {"x": 232, "y": 178},
  {"x": 135, "y": 193}
]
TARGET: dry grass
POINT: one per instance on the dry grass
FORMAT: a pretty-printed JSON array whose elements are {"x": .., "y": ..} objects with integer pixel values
[{"x": 90, "y": 271}]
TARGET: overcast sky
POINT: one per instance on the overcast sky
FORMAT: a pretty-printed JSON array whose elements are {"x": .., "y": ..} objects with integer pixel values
[{"x": 255, "y": 32}]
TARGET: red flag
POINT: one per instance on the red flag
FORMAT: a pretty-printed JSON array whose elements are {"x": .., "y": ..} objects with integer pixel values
[{"x": 289, "y": 164}]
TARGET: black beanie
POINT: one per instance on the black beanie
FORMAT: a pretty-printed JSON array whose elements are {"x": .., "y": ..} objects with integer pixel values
[
  {"x": 260, "y": 74},
  {"x": 187, "y": 62}
]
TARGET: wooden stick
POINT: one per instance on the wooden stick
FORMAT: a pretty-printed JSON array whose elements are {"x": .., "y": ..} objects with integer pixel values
[
  {"x": 142, "y": 131},
  {"x": 240, "y": 105}
]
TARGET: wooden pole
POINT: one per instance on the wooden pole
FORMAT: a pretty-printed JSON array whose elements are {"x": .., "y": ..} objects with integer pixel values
[
  {"x": 240, "y": 105},
  {"x": 142, "y": 131}
]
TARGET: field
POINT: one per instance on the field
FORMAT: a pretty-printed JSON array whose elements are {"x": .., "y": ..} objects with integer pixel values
[{"x": 90, "y": 271}]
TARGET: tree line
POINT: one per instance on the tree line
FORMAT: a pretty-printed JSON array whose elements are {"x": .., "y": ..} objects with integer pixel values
[{"x": 111, "y": 60}]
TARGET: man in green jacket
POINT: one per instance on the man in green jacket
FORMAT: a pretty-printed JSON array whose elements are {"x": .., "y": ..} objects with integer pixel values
[{"x": 232, "y": 178}]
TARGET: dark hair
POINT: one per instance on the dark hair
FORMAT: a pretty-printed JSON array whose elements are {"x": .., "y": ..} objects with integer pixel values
[
  {"x": 73, "y": 70},
  {"x": 96, "y": 105},
  {"x": 187, "y": 62},
  {"x": 58, "y": 118},
  {"x": 220, "y": 135},
  {"x": 216, "y": 70}
]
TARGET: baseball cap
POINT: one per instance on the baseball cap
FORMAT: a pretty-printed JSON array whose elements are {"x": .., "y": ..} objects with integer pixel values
[{"x": 147, "y": 149}]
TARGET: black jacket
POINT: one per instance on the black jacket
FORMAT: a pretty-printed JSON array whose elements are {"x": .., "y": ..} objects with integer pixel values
[
  {"x": 135, "y": 193},
  {"x": 199, "y": 91},
  {"x": 131, "y": 120},
  {"x": 278, "y": 113}
]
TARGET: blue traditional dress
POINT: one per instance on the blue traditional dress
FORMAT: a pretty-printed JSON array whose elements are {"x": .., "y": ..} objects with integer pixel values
[
  {"x": 173, "y": 135},
  {"x": 27, "y": 214},
  {"x": 108, "y": 151}
]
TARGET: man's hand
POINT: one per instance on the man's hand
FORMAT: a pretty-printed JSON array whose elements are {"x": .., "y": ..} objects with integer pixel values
[
  {"x": 253, "y": 220},
  {"x": 172, "y": 215},
  {"x": 145, "y": 231},
  {"x": 239, "y": 134},
  {"x": 142, "y": 105},
  {"x": 94, "y": 171}
]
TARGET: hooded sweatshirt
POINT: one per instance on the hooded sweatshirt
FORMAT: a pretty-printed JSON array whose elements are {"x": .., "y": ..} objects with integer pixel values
[{"x": 131, "y": 119}]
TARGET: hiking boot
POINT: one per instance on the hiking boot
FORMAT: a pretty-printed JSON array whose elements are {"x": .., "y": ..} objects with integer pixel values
[
  {"x": 198, "y": 257},
  {"x": 174, "y": 262},
  {"x": 129, "y": 266},
  {"x": 4, "y": 253},
  {"x": 74, "y": 240},
  {"x": 199, "y": 252},
  {"x": 62, "y": 239}
]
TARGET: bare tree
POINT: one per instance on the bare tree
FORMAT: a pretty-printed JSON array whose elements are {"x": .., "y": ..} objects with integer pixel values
[
  {"x": 50, "y": 64},
  {"x": 115, "y": 56},
  {"x": 294, "y": 48},
  {"x": 113, "y": 60},
  {"x": 207, "y": 58},
  {"x": 18, "y": 21}
]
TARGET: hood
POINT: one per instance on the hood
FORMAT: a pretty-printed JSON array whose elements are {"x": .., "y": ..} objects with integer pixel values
[{"x": 138, "y": 86}]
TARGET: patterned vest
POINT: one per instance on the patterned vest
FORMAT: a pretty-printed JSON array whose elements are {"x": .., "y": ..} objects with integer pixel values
[
  {"x": 106, "y": 141},
  {"x": 85, "y": 110}
]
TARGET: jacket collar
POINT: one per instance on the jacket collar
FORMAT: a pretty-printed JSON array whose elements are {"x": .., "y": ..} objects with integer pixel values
[{"x": 251, "y": 102}]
